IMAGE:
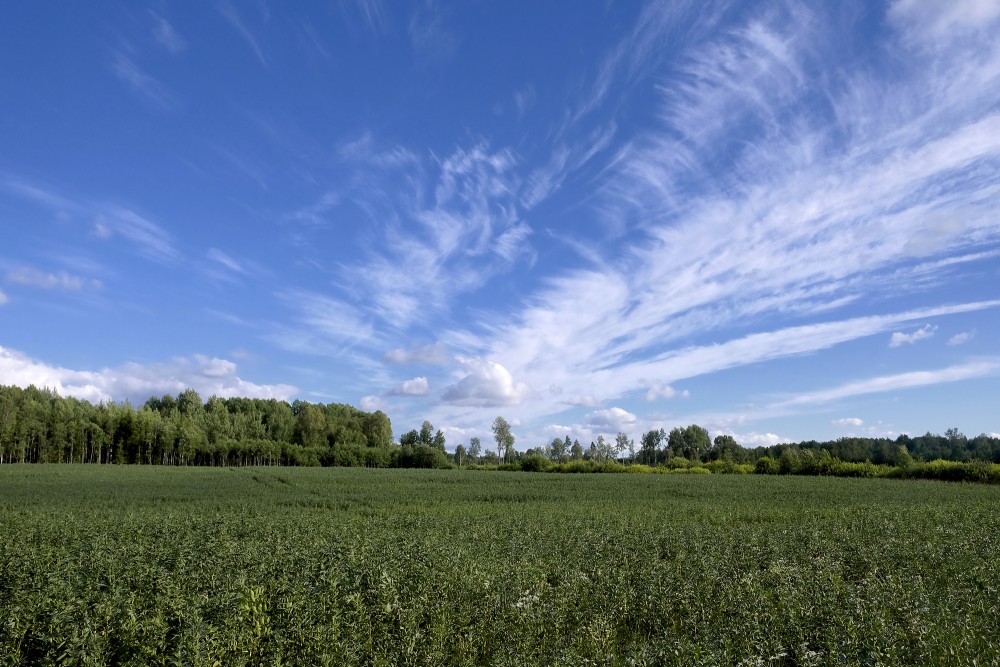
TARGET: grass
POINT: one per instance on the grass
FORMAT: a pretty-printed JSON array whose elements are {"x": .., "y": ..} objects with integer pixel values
[{"x": 204, "y": 566}]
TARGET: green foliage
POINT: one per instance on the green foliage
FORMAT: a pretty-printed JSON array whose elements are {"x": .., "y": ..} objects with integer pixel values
[
  {"x": 535, "y": 463},
  {"x": 767, "y": 466},
  {"x": 144, "y": 565},
  {"x": 37, "y": 426},
  {"x": 504, "y": 438}
]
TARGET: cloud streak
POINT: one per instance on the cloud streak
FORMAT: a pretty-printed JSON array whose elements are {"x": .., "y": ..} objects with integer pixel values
[
  {"x": 62, "y": 280},
  {"x": 148, "y": 238},
  {"x": 235, "y": 19},
  {"x": 889, "y": 383}
]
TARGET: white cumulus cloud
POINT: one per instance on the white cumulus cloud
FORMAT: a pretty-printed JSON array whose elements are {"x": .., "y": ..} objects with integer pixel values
[
  {"x": 485, "y": 383},
  {"x": 961, "y": 338},
  {"x": 613, "y": 419},
  {"x": 848, "y": 421},
  {"x": 371, "y": 403},
  {"x": 758, "y": 439},
  {"x": 656, "y": 391},
  {"x": 418, "y": 386},
  {"x": 899, "y": 338}
]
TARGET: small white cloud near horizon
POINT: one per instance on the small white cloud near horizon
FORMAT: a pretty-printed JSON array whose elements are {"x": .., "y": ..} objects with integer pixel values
[
  {"x": 962, "y": 338},
  {"x": 848, "y": 421},
  {"x": 418, "y": 386},
  {"x": 656, "y": 391},
  {"x": 754, "y": 439},
  {"x": 371, "y": 403},
  {"x": 899, "y": 338},
  {"x": 612, "y": 420}
]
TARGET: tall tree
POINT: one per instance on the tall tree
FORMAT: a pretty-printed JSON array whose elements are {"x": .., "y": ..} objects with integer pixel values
[
  {"x": 310, "y": 426},
  {"x": 426, "y": 433},
  {"x": 696, "y": 443},
  {"x": 624, "y": 444},
  {"x": 475, "y": 449},
  {"x": 650, "y": 445},
  {"x": 558, "y": 449},
  {"x": 378, "y": 429},
  {"x": 438, "y": 441},
  {"x": 504, "y": 438}
]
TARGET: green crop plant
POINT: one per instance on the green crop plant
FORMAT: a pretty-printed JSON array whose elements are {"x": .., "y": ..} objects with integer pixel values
[{"x": 131, "y": 565}]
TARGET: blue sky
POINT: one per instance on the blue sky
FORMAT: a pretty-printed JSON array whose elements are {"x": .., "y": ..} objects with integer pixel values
[{"x": 778, "y": 220}]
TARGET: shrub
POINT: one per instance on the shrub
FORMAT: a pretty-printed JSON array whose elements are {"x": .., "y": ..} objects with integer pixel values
[
  {"x": 535, "y": 463},
  {"x": 864, "y": 469},
  {"x": 693, "y": 470},
  {"x": 788, "y": 462},
  {"x": 677, "y": 462},
  {"x": 766, "y": 466}
]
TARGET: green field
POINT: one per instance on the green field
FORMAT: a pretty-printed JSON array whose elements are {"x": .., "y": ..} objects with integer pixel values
[{"x": 202, "y": 566}]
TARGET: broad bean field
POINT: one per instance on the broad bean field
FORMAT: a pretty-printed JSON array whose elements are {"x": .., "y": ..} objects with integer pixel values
[{"x": 131, "y": 565}]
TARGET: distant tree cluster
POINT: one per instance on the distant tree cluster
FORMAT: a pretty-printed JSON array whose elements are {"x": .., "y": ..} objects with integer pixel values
[
  {"x": 692, "y": 446},
  {"x": 38, "y": 426}
]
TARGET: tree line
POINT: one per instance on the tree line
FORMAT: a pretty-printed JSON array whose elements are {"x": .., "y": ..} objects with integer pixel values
[
  {"x": 694, "y": 444},
  {"x": 39, "y": 426}
]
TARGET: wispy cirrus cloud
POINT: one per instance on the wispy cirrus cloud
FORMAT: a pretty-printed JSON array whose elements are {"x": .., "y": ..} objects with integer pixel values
[
  {"x": 833, "y": 193},
  {"x": 421, "y": 354},
  {"x": 109, "y": 220},
  {"x": 323, "y": 325},
  {"x": 166, "y": 36},
  {"x": 371, "y": 12},
  {"x": 150, "y": 239},
  {"x": 239, "y": 24},
  {"x": 125, "y": 67},
  {"x": 444, "y": 226},
  {"x": 226, "y": 261},
  {"x": 62, "y": 280},
  {"x": 971, "y": 370}
]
